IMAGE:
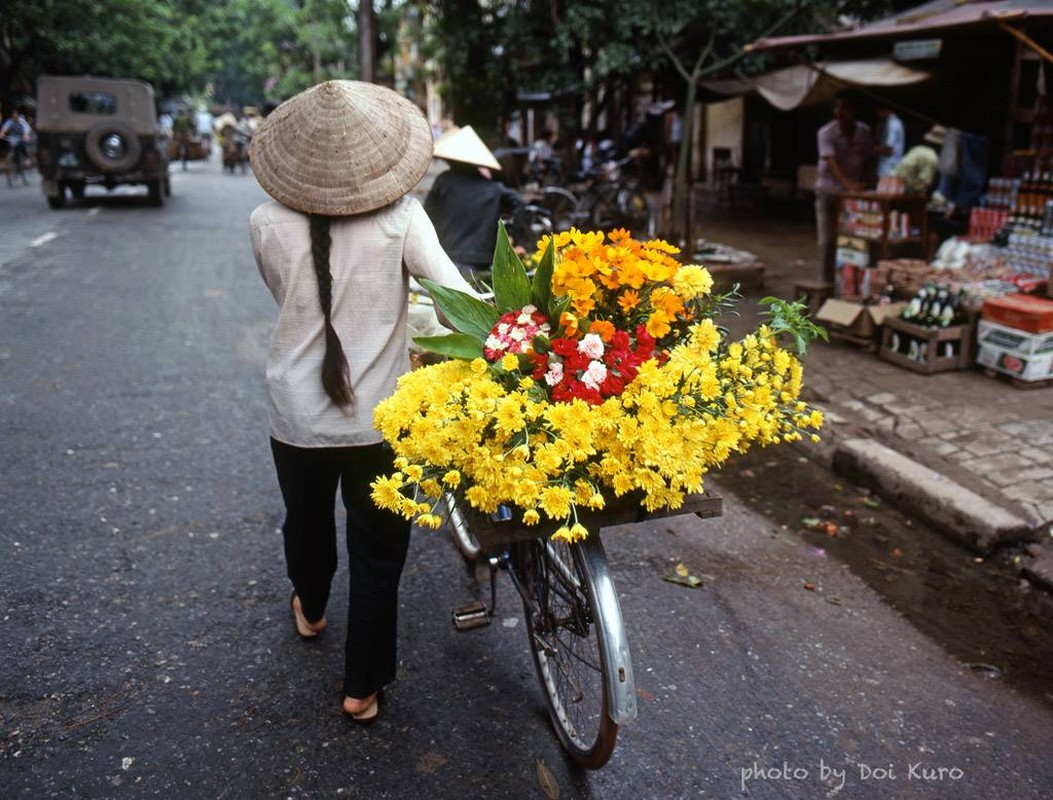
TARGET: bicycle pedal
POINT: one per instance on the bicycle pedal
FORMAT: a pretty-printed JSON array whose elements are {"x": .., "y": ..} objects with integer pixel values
[{"x": 472, "y": 615}]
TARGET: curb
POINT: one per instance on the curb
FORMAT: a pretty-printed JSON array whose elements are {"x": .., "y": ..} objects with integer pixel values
[{"x": 962, "y": 515}]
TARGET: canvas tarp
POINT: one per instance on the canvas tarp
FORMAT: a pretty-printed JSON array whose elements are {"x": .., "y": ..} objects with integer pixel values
[{"x": 803, "y": 85}]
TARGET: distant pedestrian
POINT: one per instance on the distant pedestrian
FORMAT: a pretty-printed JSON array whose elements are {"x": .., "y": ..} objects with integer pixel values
[
  {"x": 17, "y": 134},
  {"x": 182, "y": 132},
  {"x": 336, "y": 247},
  {"x": 890, "y": 140},
  {"x": 845, "y": 149},
  {"x": 920, "y": 166},
  {"x": 204, "y": 122},
  {"x": 466, "y": 202}
]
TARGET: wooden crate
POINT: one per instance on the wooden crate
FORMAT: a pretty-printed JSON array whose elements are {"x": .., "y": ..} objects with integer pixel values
[
  {"x": 931, "y": 342},
  {"x": 493, "y": 535}
]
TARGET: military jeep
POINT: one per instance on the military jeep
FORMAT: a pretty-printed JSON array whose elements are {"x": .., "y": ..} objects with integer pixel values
[{"x": 99, "y": 131}]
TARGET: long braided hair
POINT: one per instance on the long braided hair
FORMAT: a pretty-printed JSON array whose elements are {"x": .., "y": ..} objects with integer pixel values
[{"x": 336, "y": 375}]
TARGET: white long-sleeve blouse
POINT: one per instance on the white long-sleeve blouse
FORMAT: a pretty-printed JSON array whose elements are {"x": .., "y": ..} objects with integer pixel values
[{"x": 371, "y": 260}]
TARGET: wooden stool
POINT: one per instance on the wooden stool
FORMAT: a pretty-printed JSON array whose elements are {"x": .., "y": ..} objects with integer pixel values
[{"x": 813, "y": 294}]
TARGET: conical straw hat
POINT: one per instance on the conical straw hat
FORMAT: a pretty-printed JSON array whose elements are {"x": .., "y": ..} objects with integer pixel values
[
  {"x": 464, "y": 145},
  {"x": 341, "y": 147}
]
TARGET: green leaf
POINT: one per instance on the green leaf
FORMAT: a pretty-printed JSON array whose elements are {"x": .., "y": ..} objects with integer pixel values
[
  {"x": 542, "y": 288},
  {"x": 511, "y": 284},
  {"x": 465, "y": 313},
  {"x": 453, "y": 345}
]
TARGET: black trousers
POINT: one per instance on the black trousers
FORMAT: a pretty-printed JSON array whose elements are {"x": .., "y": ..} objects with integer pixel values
[{"x": 377, "y": 542}]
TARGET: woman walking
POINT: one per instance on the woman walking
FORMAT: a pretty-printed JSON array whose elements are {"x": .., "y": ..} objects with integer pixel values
[{"x": 336, "y": 247}]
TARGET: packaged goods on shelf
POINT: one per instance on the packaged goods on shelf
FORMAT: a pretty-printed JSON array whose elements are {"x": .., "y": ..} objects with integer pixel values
[
  {"x": 1001, "y": 193},
  {"x": 984, "y": 223},
  {"x": 1013, "y": 340},
  {"x": 1025, "y": 312},
  {"x": 1024, "y": 368},
  {"x": 1029, "y": 252}
]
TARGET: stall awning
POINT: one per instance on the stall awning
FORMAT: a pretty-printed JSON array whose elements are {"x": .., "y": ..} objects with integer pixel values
[
  {"x": 803, "y": 85},
  {"x": 922, "y": 20}
]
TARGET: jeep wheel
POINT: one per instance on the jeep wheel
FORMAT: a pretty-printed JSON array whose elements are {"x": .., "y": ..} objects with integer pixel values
[
  {"x": 155, "y": 192},
  {"x": 112, "y": 146}
]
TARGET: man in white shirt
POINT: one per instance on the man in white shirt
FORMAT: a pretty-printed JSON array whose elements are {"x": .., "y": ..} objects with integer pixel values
[{"x": 890, "y": 141}]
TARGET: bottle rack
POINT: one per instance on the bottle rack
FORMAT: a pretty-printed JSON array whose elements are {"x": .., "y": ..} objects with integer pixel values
[
  {"x": 885, "y": 220},
  {"x": 926, "y": 350}
]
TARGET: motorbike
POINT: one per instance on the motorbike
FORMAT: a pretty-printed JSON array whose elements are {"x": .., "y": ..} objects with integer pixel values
[{"x": 235, "y": 151}]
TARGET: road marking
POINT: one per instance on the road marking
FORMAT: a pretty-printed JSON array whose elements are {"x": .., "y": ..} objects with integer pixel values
[
  {"x": 92, "y": 212},
  {"x": 47, "y": 237}
]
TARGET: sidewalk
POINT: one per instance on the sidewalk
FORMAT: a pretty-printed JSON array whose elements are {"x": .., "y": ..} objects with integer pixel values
[{"x": 971, "y": 454}]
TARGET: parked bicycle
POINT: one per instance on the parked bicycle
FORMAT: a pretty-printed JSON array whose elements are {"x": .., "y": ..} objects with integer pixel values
[{"x": 606, "y": 197}]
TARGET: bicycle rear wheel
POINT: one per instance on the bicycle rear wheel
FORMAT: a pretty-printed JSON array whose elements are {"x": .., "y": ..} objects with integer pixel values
[{"x": 568, "y": 629}]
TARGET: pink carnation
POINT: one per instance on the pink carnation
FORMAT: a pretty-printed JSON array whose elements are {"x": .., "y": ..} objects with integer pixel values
[{"x": 514, "y": 333}]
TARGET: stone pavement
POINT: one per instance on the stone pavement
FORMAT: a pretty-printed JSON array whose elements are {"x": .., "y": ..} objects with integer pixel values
[{"x": 969, "y": 453}]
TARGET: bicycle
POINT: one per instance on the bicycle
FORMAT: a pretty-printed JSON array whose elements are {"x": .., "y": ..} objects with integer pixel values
[
  {"x": 16, "y": 158},
  {"x": 573, "y": 619}
]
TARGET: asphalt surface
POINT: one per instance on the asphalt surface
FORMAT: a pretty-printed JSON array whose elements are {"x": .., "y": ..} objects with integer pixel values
[{"x": 147, "y": 649}]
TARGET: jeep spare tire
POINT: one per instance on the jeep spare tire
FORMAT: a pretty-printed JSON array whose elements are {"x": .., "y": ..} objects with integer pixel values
[{"x": 113, "y": 146}]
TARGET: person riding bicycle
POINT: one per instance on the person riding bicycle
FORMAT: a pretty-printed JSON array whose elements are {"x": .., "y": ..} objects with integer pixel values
[
  {"x": 465, "y": 203},
  {"x": 16, "y": 132},
  {"x": 182, "y": 132},
  {"x": 337, "y": 246}
]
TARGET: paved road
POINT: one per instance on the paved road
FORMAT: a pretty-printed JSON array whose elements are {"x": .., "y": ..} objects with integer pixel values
[{"x": 145, "y": 644}]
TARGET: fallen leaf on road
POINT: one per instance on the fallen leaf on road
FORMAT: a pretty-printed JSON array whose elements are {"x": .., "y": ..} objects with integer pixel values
[
  {"x": 691, "y": 581},
  {"x": 871, "y": 502},
  {"x": 810, "y": 587},
  {"x": 547, "y": 781}
]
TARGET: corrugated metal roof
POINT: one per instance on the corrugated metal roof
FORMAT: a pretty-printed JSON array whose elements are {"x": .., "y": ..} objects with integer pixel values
[{"x": 924, "y": 19}]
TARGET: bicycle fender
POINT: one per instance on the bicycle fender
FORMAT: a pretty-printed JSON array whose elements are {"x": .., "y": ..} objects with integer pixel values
[{"x": 621, "y": 686}]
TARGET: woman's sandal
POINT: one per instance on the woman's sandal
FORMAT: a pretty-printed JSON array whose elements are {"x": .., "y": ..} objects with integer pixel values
[
  {"x": 305, "y": 629},
  {"x": 368, "y": 714}
]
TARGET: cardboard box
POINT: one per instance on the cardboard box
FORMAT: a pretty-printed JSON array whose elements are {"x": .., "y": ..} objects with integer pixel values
[
  {"x": 1014, "y": 340},
  {"x": 926, "y": 350},
  {"x": 855, "y": 319},
  {"x": 1026, "y": 312},
  {"x": 1024, "y": 368}
]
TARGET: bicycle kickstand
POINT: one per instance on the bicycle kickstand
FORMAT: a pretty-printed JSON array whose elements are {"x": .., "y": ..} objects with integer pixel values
[{"x": 476, "y": 614}]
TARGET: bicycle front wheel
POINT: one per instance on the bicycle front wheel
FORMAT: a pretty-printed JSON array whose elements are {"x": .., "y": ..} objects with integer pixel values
[
  {"x": 568, "y": 630},
  {"x": 459, "y": 531}
]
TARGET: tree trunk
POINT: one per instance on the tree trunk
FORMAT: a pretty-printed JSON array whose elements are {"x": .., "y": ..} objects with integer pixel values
[
  {"x": 682, "y": 209},
  {"x": 366, "y": 37}
]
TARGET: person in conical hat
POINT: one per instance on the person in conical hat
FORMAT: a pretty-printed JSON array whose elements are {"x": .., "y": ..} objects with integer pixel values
[
  {"x": 466, "y": 202},
  {"x": 337, "y": 246}
]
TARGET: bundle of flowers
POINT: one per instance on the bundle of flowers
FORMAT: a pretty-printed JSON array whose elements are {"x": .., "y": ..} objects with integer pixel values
[{"x": 604, "y": 375}]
